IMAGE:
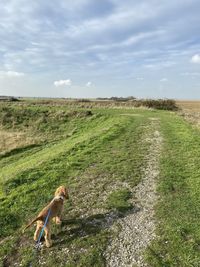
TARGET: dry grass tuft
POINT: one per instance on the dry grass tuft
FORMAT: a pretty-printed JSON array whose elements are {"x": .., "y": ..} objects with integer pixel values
[{"x": 10, "y": 140}]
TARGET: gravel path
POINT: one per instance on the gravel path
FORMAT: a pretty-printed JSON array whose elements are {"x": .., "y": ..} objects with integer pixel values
[{"x": 137, "y": 229}]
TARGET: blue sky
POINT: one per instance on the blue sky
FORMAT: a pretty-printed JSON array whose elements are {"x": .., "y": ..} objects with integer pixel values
[{"x": 100, "y": 48}]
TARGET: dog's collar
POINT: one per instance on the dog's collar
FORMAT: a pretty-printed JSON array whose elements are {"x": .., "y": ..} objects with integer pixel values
[{"x": 59, "y": 197}]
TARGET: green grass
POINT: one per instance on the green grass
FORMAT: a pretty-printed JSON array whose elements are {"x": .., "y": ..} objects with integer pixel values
[
  {"x": 96, "y": 155},
  {"x": 119, "y": 200},
  {"x": 89, "y": 161},
  {"x": 178, "y": 211}
]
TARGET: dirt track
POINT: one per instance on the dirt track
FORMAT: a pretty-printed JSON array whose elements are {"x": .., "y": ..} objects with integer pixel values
[{"x": 138, "y": 227}]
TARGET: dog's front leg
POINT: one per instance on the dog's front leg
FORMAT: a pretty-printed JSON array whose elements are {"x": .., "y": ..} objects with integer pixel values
[{"x": 58, "y": 217}]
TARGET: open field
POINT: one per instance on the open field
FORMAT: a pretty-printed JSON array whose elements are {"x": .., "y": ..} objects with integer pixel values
[
  {"x": 190, "y": 110},
  {"x": 133, "y": 175}
]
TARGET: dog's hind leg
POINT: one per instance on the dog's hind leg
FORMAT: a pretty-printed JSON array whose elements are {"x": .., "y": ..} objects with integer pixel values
[
  {"x": 47, "y": 236},
  {"x": 37, "y": 231}
]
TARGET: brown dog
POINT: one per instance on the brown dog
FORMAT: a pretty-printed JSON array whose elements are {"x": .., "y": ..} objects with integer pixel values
[{"x": 56, "y": 208}]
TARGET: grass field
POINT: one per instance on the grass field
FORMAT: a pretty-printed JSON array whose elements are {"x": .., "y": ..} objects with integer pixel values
[{"x": 95, "y": 152}]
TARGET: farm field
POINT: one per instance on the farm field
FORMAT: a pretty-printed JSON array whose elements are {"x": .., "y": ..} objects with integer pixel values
[
  {"x": 190, "y": 110},
  {"x": 133, "y": 176}
]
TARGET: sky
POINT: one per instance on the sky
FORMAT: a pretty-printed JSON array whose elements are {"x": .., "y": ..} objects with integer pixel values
[{"x": 100, "y": 48}]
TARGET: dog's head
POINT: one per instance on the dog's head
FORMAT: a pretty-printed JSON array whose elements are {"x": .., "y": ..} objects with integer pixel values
[{"x": 62, "y": 191}]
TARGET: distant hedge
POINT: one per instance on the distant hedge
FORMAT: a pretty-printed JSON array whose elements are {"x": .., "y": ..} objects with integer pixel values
[
  {"x": 111, "y": 102},
  {"x": 165, "y": 104}
]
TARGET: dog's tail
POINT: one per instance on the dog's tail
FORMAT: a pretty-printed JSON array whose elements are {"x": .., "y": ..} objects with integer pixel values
[{"x": 32, "y": 222}]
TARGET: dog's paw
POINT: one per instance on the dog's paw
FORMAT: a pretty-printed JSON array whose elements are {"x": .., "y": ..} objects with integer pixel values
[
  {"x": 48, "y": 244},
  {"x": 58, "y": 220}
]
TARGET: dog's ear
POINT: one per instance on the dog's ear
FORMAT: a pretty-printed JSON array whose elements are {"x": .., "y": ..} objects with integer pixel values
[
  {"x": 65, "y": 192},
  {"x": 57, "y": 191}
]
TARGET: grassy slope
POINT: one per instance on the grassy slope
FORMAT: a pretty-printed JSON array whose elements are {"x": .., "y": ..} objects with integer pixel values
[{"x": 103, "y": 151}]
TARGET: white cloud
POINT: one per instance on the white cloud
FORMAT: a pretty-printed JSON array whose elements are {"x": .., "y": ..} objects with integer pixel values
[
  {"x": 190, "y": 74},
  {"x": 163, "y": 80},
  {"x": 67, "y": 82},
  {"x": 136, "y": 38},
  {"x": 149, "y": 66},
  {"x": 195, "y": 59},
  {"x": 139, "y": 78},
  {"x": 11, "y": 74},
  {"x": 88, "y": 84},
  {"x": 159, "y": 65}
]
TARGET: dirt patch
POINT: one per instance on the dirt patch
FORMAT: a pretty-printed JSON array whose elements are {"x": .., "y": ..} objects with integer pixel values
[
  {"x": 153, "y": 119},
  {"x": 137, "y": 229}
]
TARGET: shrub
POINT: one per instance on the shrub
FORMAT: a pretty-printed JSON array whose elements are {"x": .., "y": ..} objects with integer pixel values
[{"x": 165, "y": 104}]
